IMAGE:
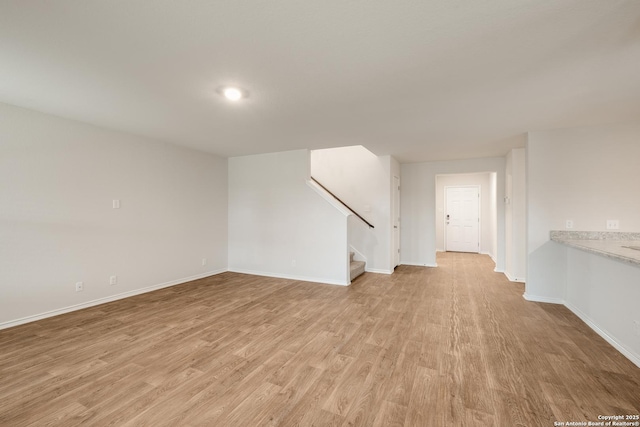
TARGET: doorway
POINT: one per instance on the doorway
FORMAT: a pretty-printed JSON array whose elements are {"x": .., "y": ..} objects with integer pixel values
[{"x": 462, "y": 219}]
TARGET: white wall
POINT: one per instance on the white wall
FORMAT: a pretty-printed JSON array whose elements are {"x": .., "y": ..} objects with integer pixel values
[
  {"x": 279, "y": 226},
  {"x": 605, "y": 294},
  {"x": 488, "y": 215},
  {"x": 515, "y": 216},
  {"x": 363, "y": 181},
  {"x": 418, "y": 206},
  {"x": 493, "y": 213},
  {"x": 587, "y": 175},
  {"x": 57, "y": 226},
  {"x": 394, "y": 172}
]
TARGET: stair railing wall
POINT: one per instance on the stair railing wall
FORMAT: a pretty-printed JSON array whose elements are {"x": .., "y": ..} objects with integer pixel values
[{"x": 343, "y": 203}]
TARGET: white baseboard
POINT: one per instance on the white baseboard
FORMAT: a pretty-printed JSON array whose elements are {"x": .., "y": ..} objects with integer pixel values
[
  {"x": 378, "y": 271},
  {"x": 290, "y": 277},
  {"x": 417, "y": 264},
  {"x": 513, "y": 279},
  {"x": 535, "y": 298},
  {"x": 629, "y": 354},
  {"x": 497, "y": 270},
  {"x": 493, "y": 258},
  {"x": 76, "y": 307}
]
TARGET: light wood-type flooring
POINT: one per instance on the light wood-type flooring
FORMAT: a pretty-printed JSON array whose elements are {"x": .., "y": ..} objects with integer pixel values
[{"x": 454, "y": 345}]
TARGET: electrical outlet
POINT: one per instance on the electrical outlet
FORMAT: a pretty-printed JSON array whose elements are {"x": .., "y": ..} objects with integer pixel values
[
  {"x": 113, "y": 280},
  {"x": 79, "y": 286},
  {"x": 116, "y": 204},
  {"x": 569, "y": 224},
  {"x": 204, "y": 261},
  {"x": 613, "y": 224}
]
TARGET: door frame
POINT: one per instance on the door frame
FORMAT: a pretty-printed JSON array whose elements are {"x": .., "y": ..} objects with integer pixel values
[
  {"x": 444, "y": 216},
  {"x": 395, "y": 210}
]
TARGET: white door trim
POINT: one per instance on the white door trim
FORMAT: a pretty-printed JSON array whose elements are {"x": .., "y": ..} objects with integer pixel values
[{"x": 395, "y": 221}]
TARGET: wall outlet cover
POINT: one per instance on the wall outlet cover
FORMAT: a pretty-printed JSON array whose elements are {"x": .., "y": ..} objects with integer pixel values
[{"x": 613, "y": 224}]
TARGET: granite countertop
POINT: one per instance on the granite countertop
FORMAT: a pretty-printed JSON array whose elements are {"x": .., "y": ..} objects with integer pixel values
[{"x": 608, "y": 244}]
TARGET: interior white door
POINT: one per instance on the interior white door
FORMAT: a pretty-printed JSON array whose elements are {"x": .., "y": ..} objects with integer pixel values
[
  {"x": 396, "y": 221},
  {"x": 462, "y": 219}
]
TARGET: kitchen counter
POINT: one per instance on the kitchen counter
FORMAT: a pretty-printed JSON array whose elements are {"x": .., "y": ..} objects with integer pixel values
[{"x": 608, "y": 244}]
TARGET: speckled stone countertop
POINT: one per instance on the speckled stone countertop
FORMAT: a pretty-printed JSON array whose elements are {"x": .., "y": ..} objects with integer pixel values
[{"x": 610, "y": 244}]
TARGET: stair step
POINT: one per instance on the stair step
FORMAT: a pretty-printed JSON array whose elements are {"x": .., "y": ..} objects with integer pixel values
[{"x": 356, "y": 269}]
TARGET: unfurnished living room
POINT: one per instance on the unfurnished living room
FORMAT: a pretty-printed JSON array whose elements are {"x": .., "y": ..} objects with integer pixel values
[{"x": 319, "y": 213}]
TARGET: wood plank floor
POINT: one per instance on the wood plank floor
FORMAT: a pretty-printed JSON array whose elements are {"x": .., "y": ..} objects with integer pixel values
[{"x": 454, "y": 345}]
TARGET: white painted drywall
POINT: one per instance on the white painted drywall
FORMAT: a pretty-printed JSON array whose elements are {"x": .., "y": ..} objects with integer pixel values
[
  {"x": 57, "y": 225},
  {"x": 605, "y": 294},
  {"x": 487, "y": 208},
  {"x": 493, "y": 214},
  {"x": 394, "y": 172},
  {"x": 363, "y": 181},
  {"x": 515, "y": 216},
  {"x": 418, "y": 206},
  {"x": 279, "y": 226},
  {"x": 587, "y": 175}
]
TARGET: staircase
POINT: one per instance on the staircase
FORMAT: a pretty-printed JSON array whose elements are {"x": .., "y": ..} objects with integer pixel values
[{"x": 356, "y": 267}]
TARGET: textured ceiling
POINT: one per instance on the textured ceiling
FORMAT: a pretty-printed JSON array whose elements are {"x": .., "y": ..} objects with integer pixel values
[{"x": 421, "y": 80}]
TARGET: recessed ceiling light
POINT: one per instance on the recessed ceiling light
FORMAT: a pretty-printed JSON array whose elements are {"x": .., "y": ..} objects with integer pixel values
[{"x": 232, "y": 93}]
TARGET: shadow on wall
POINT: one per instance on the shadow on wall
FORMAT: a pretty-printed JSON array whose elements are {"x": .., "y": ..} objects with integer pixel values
[{"x": 548, "y": 270}]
